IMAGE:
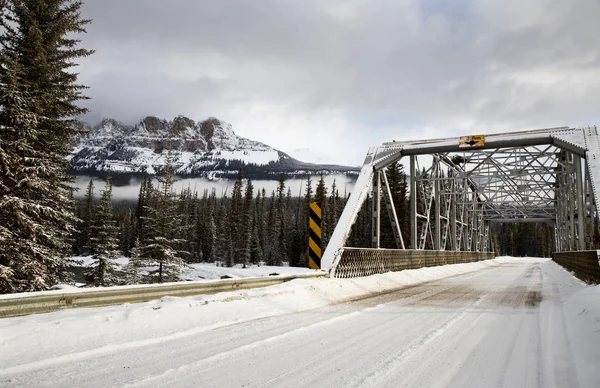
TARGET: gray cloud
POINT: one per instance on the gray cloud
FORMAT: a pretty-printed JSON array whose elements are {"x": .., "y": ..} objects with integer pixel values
[{"x": 338, "y": 76}]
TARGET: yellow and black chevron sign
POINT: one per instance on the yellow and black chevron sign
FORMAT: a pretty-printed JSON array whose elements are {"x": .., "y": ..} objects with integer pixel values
[{"x": 314, "y": 236}]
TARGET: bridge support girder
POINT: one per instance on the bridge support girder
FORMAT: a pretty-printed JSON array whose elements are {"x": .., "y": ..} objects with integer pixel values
[{"x": 548, "y": 175}]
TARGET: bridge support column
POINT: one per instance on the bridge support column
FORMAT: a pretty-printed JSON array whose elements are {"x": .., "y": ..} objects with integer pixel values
[
  {"x": 580, "y": 197},
  {"x": 413, "y": 202},
  {"x": 437, "y": 198},
  {"x": 453, "y": 203},
  {"x": 376, "y": 225}
]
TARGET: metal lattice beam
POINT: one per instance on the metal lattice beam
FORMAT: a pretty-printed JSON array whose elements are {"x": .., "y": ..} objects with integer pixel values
[{"x": 547, "y": 175}]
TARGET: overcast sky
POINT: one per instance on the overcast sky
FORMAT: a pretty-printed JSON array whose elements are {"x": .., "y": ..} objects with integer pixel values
[{"x": 326, "y": 79}]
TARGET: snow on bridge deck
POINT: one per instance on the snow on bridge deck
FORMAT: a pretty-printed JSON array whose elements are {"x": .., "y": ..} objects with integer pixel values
[{"x": 502, "y": 322}]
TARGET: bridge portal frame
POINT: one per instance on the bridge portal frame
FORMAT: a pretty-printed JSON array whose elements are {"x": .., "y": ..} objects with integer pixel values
[{"x": 544, "y": 175}]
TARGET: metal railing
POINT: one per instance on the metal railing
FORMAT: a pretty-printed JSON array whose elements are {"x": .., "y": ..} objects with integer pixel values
[
  {"x": 42, "y": 302},
  {"x": 584, "y": 264},
  {"x": 356, "y": 262}
]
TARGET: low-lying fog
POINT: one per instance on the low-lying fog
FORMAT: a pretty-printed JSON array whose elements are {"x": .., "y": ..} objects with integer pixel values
[{"x": 131, "y": 191}]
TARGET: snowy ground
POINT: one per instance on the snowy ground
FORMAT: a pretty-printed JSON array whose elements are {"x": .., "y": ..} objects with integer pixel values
[
  {"x": 504, "y": 322},
  {"x": 209, "y": 271}
]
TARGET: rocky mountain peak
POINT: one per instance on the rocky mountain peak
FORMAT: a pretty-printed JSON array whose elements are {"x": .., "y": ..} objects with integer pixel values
[
  {"x": 153, "y": 125},
  {"x": 207, "y": 127},
  {"x": 182, "y": 125},
  {"x": 208, "y": 149}
]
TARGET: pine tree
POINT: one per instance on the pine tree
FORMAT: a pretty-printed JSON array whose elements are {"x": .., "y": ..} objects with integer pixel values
[
  {"x": 256, "y": 252},
  {"x": 19, "y": 270},
  {"x": 162, "y": 246},
  {"x": 36, "y": 223},
  {"x": 146, "y": 188},
  {"x": 330, "y": 215},
  {"x": 209, "y": 227},
  {"x": 105, "y": 245},
  {"x": 84, "y": 244},
  {"x": 261, "y": 222},
  {"x": 126, "y": 232},
  {"x": 272, "y": 233},
  {"x": 132, "y": 269},
  {"x": 247, "y": 228},
  {"x": 321, "y": 200},
  {"x": 236, "y": 218},
  {"x": 212, "y": 230},
  {"x": 224, "y": 245},
  {"x": 280, "y": 224},
  {"x": 37, "y": 100}
]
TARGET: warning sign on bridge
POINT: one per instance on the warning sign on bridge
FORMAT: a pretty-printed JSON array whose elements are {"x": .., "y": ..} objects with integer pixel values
[{"x": 472, "y": 141}]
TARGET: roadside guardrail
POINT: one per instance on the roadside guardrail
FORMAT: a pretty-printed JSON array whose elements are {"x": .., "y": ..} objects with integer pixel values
[{"x": 47, "y": 301}]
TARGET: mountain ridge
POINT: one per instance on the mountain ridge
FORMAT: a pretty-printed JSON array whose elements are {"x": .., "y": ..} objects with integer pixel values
[{"x": 205, "y": 149}]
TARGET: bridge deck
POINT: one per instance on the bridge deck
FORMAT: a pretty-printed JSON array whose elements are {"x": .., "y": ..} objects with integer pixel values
[{"x": 511, "y": 325}]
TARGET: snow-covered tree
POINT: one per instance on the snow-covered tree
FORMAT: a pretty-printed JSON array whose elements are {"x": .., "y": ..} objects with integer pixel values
[
  {"x": 246, "y": 230},
  {"x": 38, "y": 93},
  {"x": 83, "y": 244},
  {"x": 132, "y": 269},
  {"x": 162, "y": 245},
  {"x": 256, "y": 252},
  {"x": 224, "y": 249},
  {"x": 236, "y": 218},
  {"x": 104, "y": 241}
]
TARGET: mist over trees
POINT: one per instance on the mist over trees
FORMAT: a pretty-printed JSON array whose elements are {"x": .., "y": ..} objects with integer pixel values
[{"x": 164, "y": 231}]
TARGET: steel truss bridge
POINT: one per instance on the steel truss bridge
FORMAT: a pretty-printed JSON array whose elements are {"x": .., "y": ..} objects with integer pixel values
[{"x": 464, "y": 185}]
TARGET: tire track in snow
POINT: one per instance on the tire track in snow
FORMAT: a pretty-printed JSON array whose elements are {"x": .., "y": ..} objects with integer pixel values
[
  {"x": 238, "y": 350},
  {"x": 318, "y": 358},
  {"x": 405, "y": 353}
]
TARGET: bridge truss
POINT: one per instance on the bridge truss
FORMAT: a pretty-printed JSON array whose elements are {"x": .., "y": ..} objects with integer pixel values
[{"x": 465, "y": 184}]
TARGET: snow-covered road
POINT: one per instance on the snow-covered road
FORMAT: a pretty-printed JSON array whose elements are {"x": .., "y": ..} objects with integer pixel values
[{"x": 518, "y": 324}]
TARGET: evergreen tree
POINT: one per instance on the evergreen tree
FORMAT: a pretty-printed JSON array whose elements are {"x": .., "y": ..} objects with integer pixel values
[
  {"x": 261, "y": 222},
  {"x": 126, "y": 232},
  {"x": 330, "y": 216},
  {"x": 321, "y": 200},
  {"x": 237, "y": 219},
  {"x": 85, "y": 245},
  {"x": 143, "y": 204},
  {"x": 35, "y": 223},
  {"x": 309, "y": 191},
  {"x": 162, "y": 246},
  {"x": 224, "y": 250},
  {"x": 246, "y": 231},
  {"x": 208, "y": 227},
  {"x": 272, "y": 246},
  {"x": 212, "y": 235},
  {"x": 256, "y": 252},
  {"x": 280, "y": 231},
  {"x": 321, "y": 193},
  {"x": 132, "y": 269},
  {"x": 105, "y": 246},
  {"x": 37, "y": 101}
]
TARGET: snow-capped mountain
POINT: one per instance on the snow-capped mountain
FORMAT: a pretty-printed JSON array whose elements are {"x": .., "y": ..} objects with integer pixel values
[{"x": 208, "y": 149}]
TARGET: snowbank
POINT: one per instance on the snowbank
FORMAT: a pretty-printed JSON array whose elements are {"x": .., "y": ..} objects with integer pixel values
[
  {"x": 72, "y": 333},
  {"x": 36, "y": 341}
]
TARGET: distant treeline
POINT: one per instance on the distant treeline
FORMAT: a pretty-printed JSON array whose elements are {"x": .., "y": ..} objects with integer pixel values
[
  {"x": 524, "y": 239},
  {"x": 226, "y": 169},
  {"x": 164, "y": 231}
]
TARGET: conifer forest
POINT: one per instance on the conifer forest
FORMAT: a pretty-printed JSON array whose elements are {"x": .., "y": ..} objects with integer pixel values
[{"x": 42, "y": 227}]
